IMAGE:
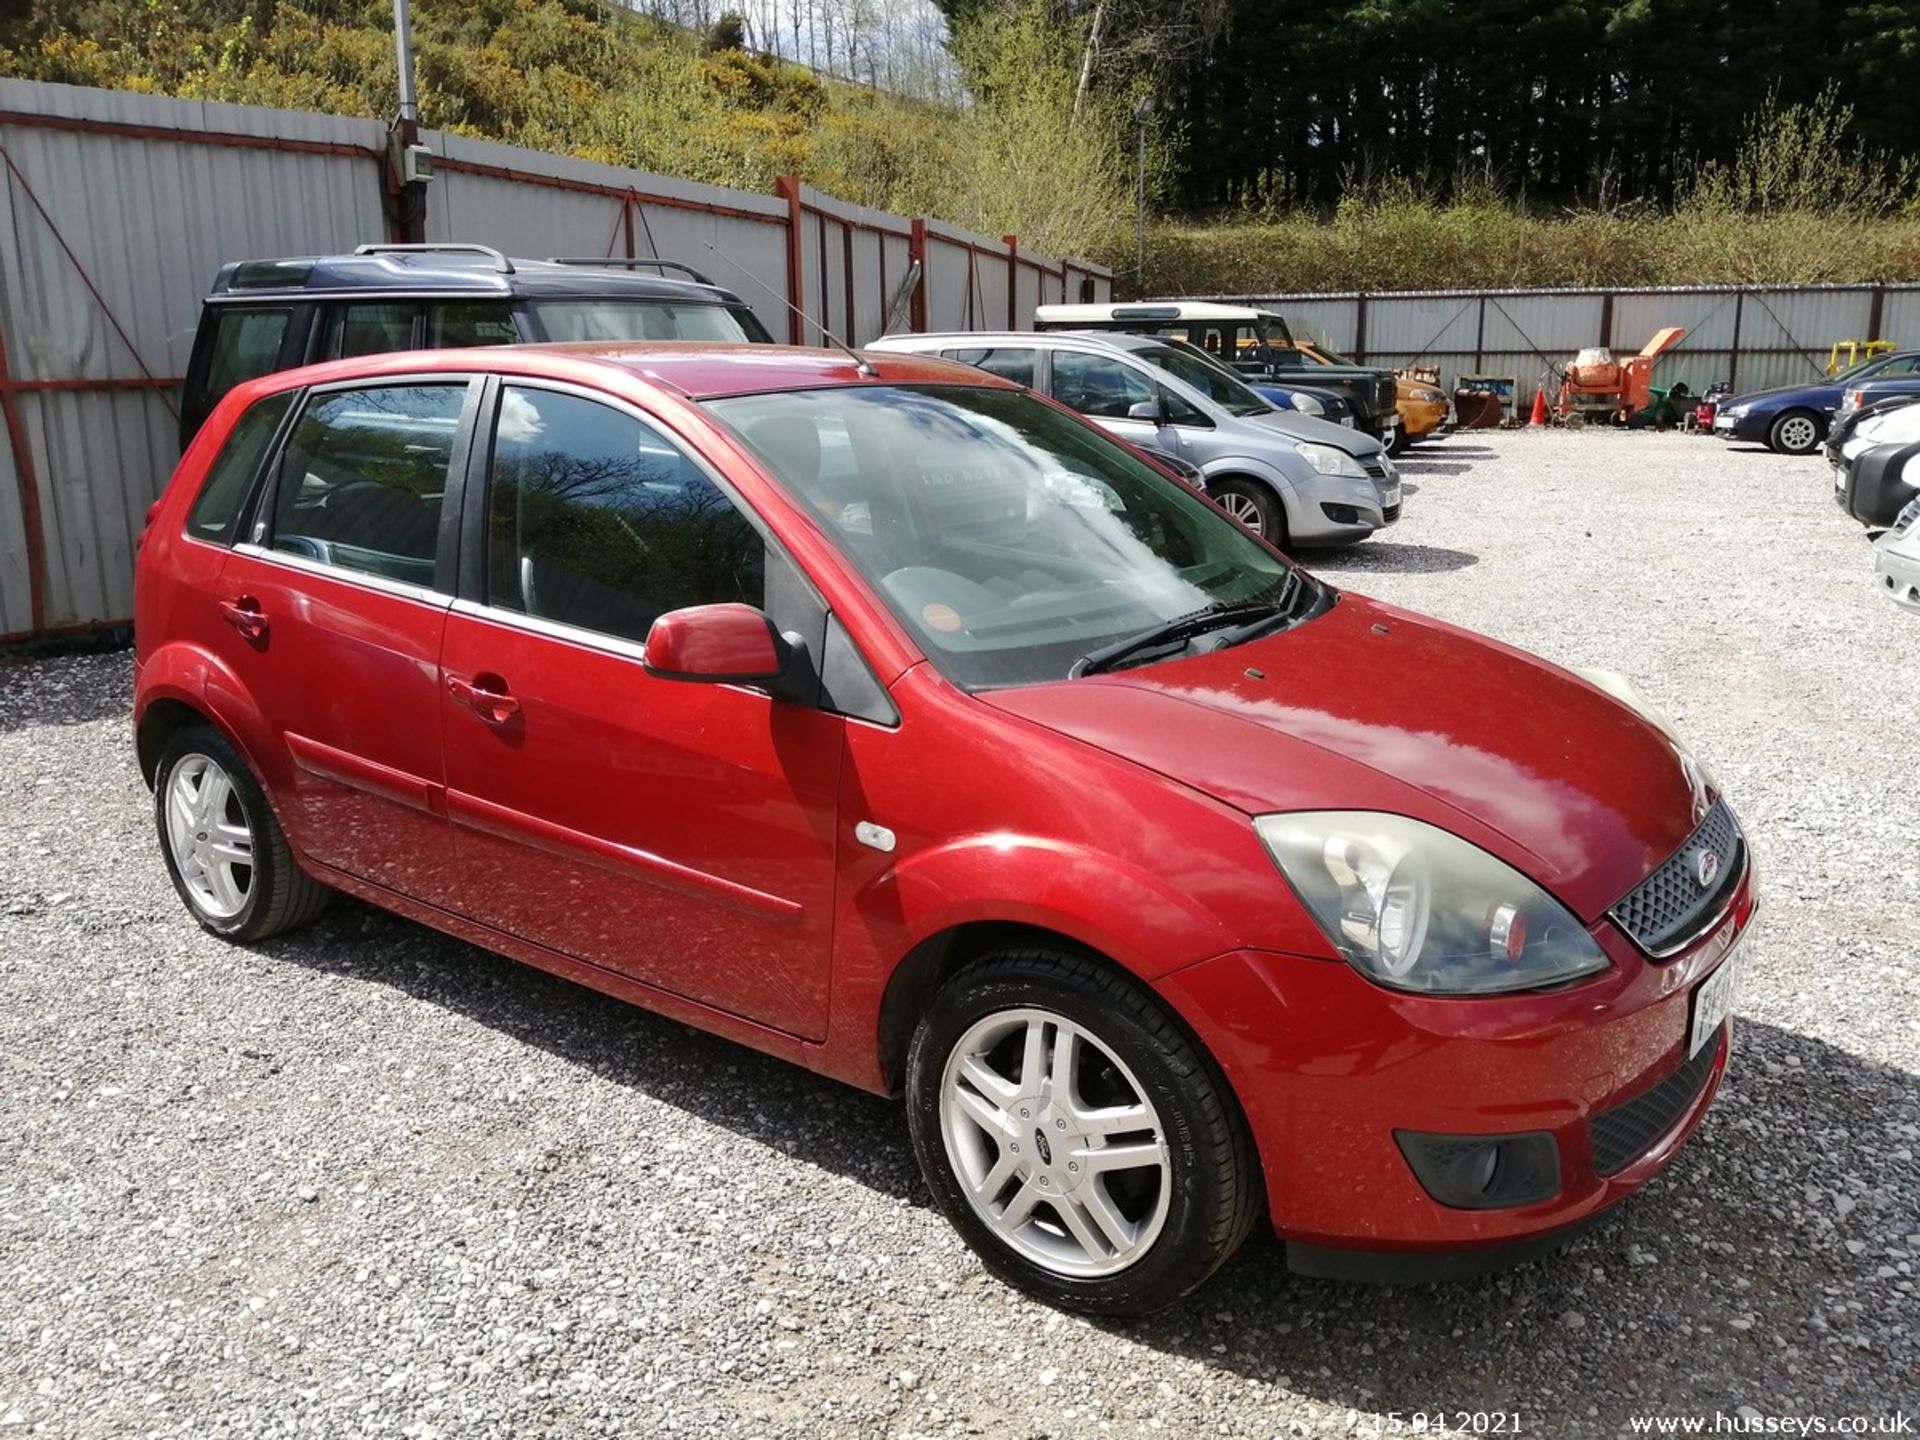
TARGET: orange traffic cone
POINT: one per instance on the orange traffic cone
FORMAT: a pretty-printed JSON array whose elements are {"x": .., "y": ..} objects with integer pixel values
[{"x": 1539, "y": 408}]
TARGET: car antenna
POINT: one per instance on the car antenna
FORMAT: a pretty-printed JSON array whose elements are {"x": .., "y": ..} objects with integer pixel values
[{"x": 860, "y": 362}]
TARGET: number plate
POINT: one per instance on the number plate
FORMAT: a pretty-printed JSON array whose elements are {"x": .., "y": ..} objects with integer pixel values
[
  {"x": 1712, "y": 1002},
  {"x": 1391, "y": 495}
]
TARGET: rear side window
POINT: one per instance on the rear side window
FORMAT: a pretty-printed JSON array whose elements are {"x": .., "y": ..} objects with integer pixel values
[
  {"x": 216, "y": 510},
  {"x": 598, "y": 520},
  {"x": 577, "y": 320},
  {"x": 372, "y": 328},
  {"x": 363, "y": 477},
  {"x": 1012, "y": 364},
  {"x": 246, "y": 345},
  {"x": 455, "y": 325}
]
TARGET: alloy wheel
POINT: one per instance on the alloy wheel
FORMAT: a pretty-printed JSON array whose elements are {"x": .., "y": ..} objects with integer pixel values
[
  {"x": 1055, "y": 1143},
  {"x": 209, "y": 837},
  {"x": 1242, "y": 508},
  {"x": 1796, "y": 433}
]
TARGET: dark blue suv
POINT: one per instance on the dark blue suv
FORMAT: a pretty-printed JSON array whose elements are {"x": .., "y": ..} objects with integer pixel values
[{"x": 268, "y": 315}]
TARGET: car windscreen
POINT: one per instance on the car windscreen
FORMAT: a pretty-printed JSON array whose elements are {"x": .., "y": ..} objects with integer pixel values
[
  {"x": 1009, "y": 538},
  {"x": 1213, "y": 380},
  {"x": 646, "y": 320}
]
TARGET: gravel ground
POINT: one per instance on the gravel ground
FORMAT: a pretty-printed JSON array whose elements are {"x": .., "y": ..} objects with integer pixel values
[{"x": 369, "y": 1180}]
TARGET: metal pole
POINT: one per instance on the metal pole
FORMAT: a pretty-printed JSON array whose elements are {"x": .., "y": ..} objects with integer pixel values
[
  {"x": 403, "y": 53},
  {"x": 1142, "y": 108}
]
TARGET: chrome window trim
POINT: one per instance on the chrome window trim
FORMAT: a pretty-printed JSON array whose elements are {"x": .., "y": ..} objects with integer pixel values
[
  {"x": 552, "y": 629},
  {"x": 400, "y": 589}
]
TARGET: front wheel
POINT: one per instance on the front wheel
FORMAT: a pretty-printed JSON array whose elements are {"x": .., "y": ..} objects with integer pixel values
[
  {"x": 1255, "y": 506},
  {"x": 1075, "y": 1136},
  {"x": 1795, "y": 433},
  {"x": 1402, "y": 440}
]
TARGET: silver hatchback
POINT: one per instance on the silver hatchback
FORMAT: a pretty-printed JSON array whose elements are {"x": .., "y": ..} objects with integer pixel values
[{"x": 1291, "y": 478}]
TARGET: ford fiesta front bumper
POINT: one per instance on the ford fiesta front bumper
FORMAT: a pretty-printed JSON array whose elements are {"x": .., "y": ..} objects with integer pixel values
[{"x": 1335, "y": 1075}]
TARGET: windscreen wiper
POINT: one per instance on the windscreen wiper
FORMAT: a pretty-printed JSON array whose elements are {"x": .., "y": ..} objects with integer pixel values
[{"x": 1180, "y": 628}]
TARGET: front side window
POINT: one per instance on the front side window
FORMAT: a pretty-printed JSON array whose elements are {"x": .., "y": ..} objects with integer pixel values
[
  {"x": 1008, "y": 362},
  {"x": 1009, "y": 538},
  {"x": 363, "y": 478},
  {"x": 246, "y": 345},
  {"x": 1098, "y": 385},
  {"x": 598, "y": 520},
  {"x": 1216, "y": 382},
  {"x": 217, "y": 507},
  {"x": 594, "y": 320}
]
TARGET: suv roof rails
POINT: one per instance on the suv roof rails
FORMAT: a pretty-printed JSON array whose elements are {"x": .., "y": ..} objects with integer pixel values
[
  {"x": 449, "y": 247},
  {"x": 623, "y": 263}
]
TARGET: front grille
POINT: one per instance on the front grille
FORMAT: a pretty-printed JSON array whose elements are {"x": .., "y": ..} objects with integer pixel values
[
  {"x": 1375, "y": 467},
  {"x": 1670, "y": 908},
  {"x": 1626, "y": 1132},
  {"x": 1390, "y": 514}
]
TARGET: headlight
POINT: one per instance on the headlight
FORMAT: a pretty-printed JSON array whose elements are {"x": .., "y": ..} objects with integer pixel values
[
  {"x": 1331, "y": 460},
  {"x": 1733, "y": 412},
  {"x": 1430, "y": 397},
  {"x": 1308, "y": 404},
  {"x": 1415, "y": 908}
]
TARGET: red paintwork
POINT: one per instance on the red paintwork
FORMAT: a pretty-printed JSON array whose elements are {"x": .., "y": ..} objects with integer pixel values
[
  {"x": 713, "y": 642},
  {"x": 690, "y": 846}
]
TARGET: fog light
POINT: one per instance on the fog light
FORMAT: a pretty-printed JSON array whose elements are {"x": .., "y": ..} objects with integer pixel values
[
  {"x": 1484, "y": 1172},
  {"x": 1341, "y": 514}
]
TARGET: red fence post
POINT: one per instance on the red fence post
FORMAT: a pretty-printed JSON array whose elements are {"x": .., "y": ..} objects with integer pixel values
[
  {"x": 787, "y": 187},
  {"x": 33, "y": 538},
  {"x": 917, "y": 253}
]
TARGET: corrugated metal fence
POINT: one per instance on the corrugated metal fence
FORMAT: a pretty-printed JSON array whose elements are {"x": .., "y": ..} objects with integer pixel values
[
  {"x": 118, "y": 208},
  {"x": 1749, "y": 337}
]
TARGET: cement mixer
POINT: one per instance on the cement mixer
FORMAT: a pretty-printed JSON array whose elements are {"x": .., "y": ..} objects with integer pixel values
[{"x": 1599, "y": 387}]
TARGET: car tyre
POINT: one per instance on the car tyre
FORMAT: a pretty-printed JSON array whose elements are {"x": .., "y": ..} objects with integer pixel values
[
  {"x": 1255, "y": 506},
  {"x": 1402, "y": 441},
  {"x": 1795, "y": 432},
  {"x": 1029, "y": 1065},
  {"x": 224, "y": 849}
]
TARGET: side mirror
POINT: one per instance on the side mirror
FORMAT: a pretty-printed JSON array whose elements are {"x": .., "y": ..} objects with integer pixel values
[
  {"x": 1153, "y": 411},
  {"x": 729, "y": 644}
]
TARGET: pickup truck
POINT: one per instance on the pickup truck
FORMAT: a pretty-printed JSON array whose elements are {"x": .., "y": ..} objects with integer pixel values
[{"x": 1257, "y": 343}]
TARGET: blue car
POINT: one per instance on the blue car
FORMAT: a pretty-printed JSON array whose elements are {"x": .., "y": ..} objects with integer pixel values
[
  {"x": 1871, "y": 392},
  {"x": 1793, "y": 419},
  {"x": 1307, "y": 400}
]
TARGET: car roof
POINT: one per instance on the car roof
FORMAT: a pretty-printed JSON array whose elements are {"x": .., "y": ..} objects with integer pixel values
[
  {"x": 1150, "y": 310},
  {"x": 461, "y": 271},
  {"x": 698, "y": 370},
  {"x": 1102, "y": 339}
]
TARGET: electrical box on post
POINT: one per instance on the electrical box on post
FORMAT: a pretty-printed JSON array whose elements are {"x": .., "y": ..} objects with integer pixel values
[{"x": 416, "y": 165}]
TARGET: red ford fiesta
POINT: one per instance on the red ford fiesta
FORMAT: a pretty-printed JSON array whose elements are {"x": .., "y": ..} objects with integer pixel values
[{"x": 896, "y": 721}]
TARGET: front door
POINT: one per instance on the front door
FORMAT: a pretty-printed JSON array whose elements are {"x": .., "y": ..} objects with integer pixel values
[
  {"x": 679, "y": 833},
  {"x": 337, "y": 603}
]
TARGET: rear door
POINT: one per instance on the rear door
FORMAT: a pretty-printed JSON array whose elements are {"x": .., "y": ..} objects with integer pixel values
[
  {"x": 336, "y": 605},
  {"x": 681, "y": 834}
]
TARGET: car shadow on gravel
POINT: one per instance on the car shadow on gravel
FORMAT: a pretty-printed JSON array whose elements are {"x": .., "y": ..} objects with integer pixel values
[
  {"x": 38, "y": 690},
  {"x": 1377, "y": 555},
  {"x": 1740, "y": 1275},
  {"x": 1422, "y": 465}
]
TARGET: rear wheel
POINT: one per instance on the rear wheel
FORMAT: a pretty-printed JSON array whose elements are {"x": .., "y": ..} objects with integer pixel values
[
  {"x": 224, "y": 849},
  {"x": 1255, "y": 506},
  {"x": 1796, "y": 432},
  {"x": 1075, "y": 1136}
]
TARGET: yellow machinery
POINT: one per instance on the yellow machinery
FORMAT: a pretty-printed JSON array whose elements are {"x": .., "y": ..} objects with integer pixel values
[{"x": 1848, "y": 353}]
